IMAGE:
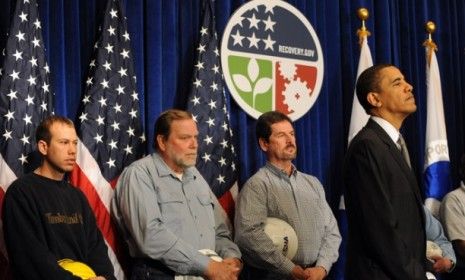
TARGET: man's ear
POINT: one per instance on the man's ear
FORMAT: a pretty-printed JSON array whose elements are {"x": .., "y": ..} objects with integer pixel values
[
  {"x": 42, "y": 146},
  {"x": 373, "y": 99},
  {"x": 161, "y": 142},
  {"x": 263, "y": 144}
]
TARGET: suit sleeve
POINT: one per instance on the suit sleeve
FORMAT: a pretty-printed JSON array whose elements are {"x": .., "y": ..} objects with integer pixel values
[{"x": 369, "y": 204}]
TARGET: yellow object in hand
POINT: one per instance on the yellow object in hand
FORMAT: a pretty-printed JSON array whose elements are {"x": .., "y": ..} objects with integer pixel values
[{"x": 78, "y": 269}]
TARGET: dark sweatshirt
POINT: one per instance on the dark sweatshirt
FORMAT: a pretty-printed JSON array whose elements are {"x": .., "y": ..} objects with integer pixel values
[{"x": 47, "y": 220}]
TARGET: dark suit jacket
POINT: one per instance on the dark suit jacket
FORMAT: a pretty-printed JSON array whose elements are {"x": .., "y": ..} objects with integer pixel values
[{"x": 384, "y": 208}]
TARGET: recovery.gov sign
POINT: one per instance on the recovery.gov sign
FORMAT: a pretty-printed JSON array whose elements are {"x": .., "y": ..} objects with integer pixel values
[{"x": 272, "y": 59}]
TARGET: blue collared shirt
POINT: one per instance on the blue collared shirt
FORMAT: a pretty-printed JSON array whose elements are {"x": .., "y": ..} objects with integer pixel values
[{"x": 168, "y": 219}]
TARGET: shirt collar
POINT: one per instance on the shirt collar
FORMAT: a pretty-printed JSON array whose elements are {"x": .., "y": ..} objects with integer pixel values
[
  {"x": 279, "y": 172},
  {"x": 388, "y": 128}
]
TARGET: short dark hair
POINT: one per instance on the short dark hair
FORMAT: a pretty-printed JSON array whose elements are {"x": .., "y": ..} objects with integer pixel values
[
  {"x": 163, "y": 123},
  {"x": 367, "y": 82},
  {"x": 462, "y": 168},
  {"x": 264, "y": 122},
  {"x": 43, "y": 130}
]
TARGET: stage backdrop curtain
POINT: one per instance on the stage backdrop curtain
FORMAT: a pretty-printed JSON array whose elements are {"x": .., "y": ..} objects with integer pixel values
[{"x": 165, "y": 33}]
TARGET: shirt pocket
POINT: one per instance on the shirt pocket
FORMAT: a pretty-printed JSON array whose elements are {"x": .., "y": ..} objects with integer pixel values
[
  {"x": 171, "y": 210},
  {"x": 206, "y": 214}
]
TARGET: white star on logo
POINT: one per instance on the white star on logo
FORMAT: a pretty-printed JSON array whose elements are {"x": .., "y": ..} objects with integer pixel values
[
  {"x": 237, "y": 38},
  {"x": 269, "y": 43},
  {"x": 269, "y": 24},
  {"x": 253, "y": 41},
  {"x": 253, "y": 22}
]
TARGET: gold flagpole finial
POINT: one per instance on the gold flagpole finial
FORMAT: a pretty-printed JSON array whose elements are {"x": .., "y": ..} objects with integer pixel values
[
  {"x": 362, "y": 32},
  {"x": 430, "y": 27}
]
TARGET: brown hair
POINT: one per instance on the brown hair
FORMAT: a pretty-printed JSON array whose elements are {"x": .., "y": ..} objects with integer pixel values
[
  {"x": 163, "y": 123},
  {"x": 43, "y": 130}
]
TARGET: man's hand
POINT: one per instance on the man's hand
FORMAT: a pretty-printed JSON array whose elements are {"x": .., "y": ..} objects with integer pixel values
[
  {"x": 298, "y": 272},
  {"x": 235, "y": 262},
  {"x": 315, "y": 273},
  {"x": 97, "y": 278},
  {"x": 441, "y": 264},
  {"x": 221, "y": 271}
]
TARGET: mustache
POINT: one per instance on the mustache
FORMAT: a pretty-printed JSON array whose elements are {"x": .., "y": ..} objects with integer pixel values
[{"x": 290, "y": 146}]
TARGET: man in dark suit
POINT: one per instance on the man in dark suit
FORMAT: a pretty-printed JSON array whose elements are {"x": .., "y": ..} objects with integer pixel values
[{"x": 383, "y": 202}]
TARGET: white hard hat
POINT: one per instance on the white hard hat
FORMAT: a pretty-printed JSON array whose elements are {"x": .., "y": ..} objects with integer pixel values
[
  {"x": 432, "y": 250},
  {"x": 282, "y": 235}
]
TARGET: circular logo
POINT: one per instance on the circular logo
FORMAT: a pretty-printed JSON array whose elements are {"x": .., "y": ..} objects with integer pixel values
[{"x": 272, "y": 59}]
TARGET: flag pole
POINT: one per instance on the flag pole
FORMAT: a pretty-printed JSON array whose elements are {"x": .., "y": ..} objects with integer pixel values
[
  {"x": 362, "y": 32},
  {"x": 429, "y": 43}
]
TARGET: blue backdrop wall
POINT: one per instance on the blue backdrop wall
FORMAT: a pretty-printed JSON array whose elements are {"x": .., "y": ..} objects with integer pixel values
[{"x": 164, "y": 35}]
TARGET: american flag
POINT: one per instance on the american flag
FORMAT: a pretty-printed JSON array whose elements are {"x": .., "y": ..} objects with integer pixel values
[
  {"x": 207, "y": 103},
  {"x": 108, "y": 123},
  {"x": 25, "y": 97}
]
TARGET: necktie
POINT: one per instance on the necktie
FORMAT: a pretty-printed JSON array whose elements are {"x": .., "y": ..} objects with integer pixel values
[{"x": 403, "y": 149}]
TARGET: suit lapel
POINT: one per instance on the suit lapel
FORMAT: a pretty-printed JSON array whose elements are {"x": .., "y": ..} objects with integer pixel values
[{"x": 396, "y": 153}]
